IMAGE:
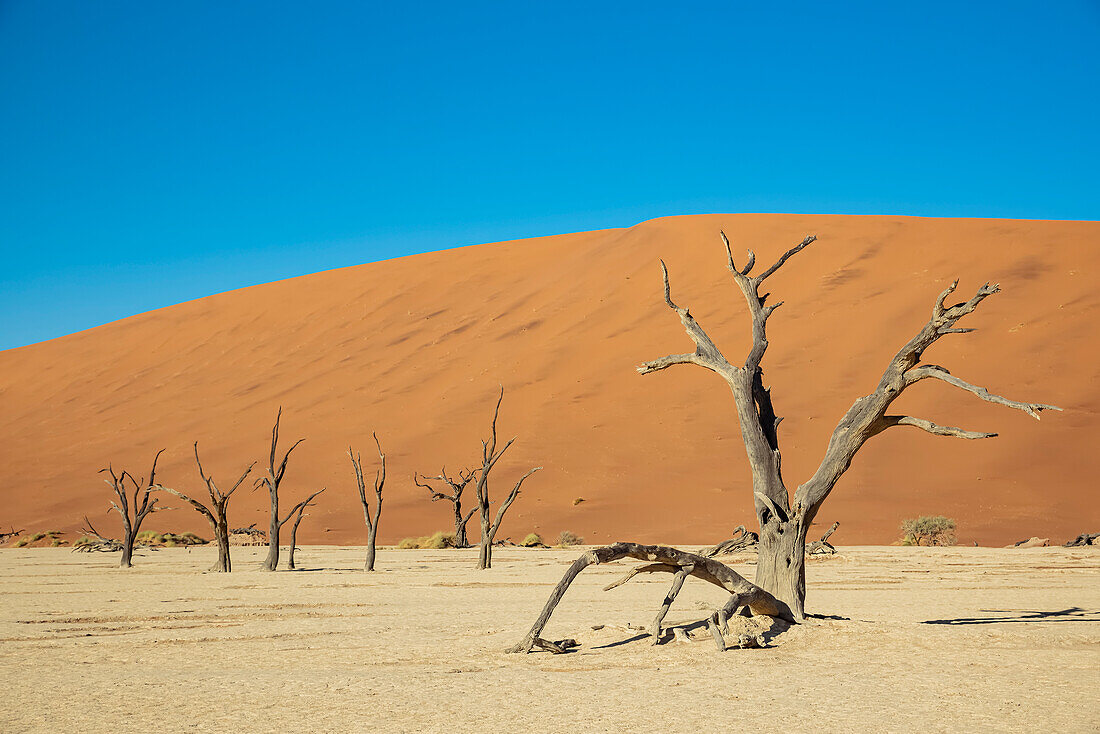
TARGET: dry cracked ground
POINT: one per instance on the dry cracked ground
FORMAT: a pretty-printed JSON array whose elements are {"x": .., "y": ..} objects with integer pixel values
[{"x": 928, "y": 639}]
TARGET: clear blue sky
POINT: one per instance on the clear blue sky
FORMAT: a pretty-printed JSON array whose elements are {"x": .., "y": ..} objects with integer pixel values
[{"x": 153, "y": 152}]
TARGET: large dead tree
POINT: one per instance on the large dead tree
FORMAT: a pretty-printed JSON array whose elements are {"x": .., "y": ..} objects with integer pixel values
[
  {"x": 455, "y": 498},
  {"x": 379, "y": 482},
  {"x": 780, "y": 587},
  {"x": 135, "y": 511},
  {"x": 489, "y": 458},
  {"x": 301, "y": 507},
  {"x": 273, "y": 480},
  {"x": 216, "y": 513},
  {"x": 783, "y": 522}
]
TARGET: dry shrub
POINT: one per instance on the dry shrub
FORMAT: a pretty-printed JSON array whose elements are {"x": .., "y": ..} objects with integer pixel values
[
  {"x": 436, "y": 541},
  {"x": 567, "y": 538},
  {"x": 533, "y": 540},
  {"x": 928, "y": 530}
]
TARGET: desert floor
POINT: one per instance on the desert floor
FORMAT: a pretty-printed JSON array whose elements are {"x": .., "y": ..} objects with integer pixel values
[{"x": 916, "y": 639}]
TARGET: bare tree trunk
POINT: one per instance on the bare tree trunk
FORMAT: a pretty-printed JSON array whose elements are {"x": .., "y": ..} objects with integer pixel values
[
  {"x": 455, "y": 498},
  {"x": 128, "y": 537},
  {"x": 293, "y": 541},
  {"x": 781, "y": 563},
  {"x": 221, "y": 537}
]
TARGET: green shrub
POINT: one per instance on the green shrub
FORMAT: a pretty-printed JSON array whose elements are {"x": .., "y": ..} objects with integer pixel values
[
  {"x": 532, "y": 540},
  {"x": 22, "y": 542},
  {"x": 928, "y": 530},
  {"x": 567, "y": 538},
  {"x": 36, "y": 537}
]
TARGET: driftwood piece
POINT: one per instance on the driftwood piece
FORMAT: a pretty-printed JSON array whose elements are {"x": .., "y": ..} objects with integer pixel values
[
  {"x": 1082, "y": 540},
  {"x": 743, "y": 593},
  {"x": 823, "y": 546},
  {"x": 742, "y": 540}
]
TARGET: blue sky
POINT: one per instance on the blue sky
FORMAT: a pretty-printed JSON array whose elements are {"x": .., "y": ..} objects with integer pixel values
[{"x": 151, "y": 153}]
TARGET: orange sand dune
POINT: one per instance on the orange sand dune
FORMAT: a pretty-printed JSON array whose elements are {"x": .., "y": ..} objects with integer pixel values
[{"x": 414, "y": 349}]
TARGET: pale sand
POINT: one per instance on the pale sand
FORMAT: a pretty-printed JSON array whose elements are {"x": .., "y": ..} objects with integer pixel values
[{"x": 418, "y": 646}]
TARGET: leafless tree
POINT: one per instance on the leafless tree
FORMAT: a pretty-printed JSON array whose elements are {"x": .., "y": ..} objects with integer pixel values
[
  {"x": 783, "y": 524},
  {"x": 379, "y": 482},
  {"x": 132, "y": 512},
  {"x": 780, "y": 587},
  {"x": 455, "y": 498},
  {"x": 216, "y": 513},
  {"x": 489, "y": 457},
  {"x": 13, "y": 533},
  {"x": 273, "y": 480},
  {"x": 301, "y": 507}
]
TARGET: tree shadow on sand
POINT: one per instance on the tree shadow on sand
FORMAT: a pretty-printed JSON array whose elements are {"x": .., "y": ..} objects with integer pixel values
[{"x": 1073, "y": 614}]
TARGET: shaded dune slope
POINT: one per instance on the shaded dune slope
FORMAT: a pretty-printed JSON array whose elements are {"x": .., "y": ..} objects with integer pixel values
[{"x": 414, "y": 349}]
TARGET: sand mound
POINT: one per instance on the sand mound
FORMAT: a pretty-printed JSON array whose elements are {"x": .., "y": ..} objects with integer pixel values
[{"x": 415, "y": 348}]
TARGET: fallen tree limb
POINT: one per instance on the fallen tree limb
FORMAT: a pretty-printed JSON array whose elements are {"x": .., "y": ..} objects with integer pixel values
[
  {"x": 743, "y": 593},
  {"x": 742, "y": 540},
  {"x": 1083, "y": 539}
]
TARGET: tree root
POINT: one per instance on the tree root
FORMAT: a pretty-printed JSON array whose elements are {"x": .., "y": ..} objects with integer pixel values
[{"x": 743, "y": 593}]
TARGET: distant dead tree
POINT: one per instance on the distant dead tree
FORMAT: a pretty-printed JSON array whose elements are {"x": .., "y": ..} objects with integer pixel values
[
  {"x": 742, "y": 540},
  {"x": 489, "y": 457},
  {"x": 780, "y": 569},
  {"x": 823, "y": 546},
  {"x": 216, "y": 513},
  {"x": 273, "y": 480},
  {"x": 301, "y": 506},
  {"x": 455, "y": 498},
  {"x": 132, "y": 513},
  {"x": 379, "y": 482},
  {"x": 95, "y": 541},
  {"x": 1082, "y": 540},
  {"x": 13, "y": 533}
]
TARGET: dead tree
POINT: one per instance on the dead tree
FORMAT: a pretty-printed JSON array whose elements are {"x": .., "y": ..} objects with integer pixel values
[
  {"x": 95, "y": 540},
  {"x": 132, "y": 513},
  {"x": 783, "y": 523},
  {"x": 823, "y": 546},
  {"x": 13, "y": 533},
  {"x": 379, "y": 481},
  {"x": 1082, "y": 540},
  {"x": 273, "y": 480},
  {"x": 301, "y": 507},
  {"x": 742, "y": 540},
  {"x": 455, "y": 498},
  {"x": 216, "y": 513},
  {"x": 489, "y": 457}
]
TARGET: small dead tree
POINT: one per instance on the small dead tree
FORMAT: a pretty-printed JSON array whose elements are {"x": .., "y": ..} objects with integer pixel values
[
  {"x": 301, "y": 507},
  {"x": 379, "y": 481},
  {"x": 95, "y": 541},
  {"x": 273, "y": 480},
  {"x": 1082, "y": 540},
  {"x": 13, "y": 533},
  {"x": 823, "y": 546},
  {"x": 489, "y": 457},
  {"x": 455, "y": 498},
  {"x": 216, "y": 513},
  {"x": 784, "y": 523},
  {"x": 132, "y": 512}
]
